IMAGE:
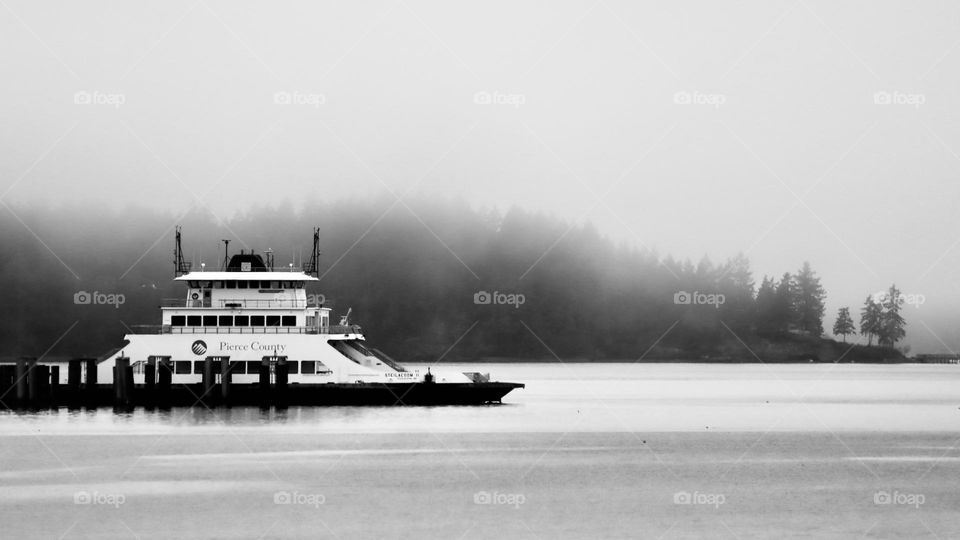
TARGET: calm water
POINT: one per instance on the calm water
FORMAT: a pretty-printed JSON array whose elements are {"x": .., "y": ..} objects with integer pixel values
[{"x": 585, "y": 451}]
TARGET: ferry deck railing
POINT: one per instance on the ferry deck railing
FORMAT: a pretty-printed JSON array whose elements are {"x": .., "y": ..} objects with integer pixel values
[
  {"x": 167, "y": 329},
  {"x": 239, "y": 303}
]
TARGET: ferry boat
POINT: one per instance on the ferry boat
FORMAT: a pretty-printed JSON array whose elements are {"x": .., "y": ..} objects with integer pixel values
[{"x": 253, "y": 327}]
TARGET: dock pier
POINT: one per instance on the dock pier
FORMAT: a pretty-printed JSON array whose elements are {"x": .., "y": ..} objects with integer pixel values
[{"x": 32, "y": 384}]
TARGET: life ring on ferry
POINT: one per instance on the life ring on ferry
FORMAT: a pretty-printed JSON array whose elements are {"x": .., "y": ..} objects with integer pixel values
[{"x": 195, "y": 296}]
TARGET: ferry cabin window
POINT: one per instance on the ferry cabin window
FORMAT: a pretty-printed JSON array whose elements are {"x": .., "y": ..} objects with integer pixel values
[
  {"x": 193, "y": 320},
  {"x": 178, "y": 320},
  {"x": 308, "y": 367},
  {"x": 273, "y": 320},
  {"x": 238, "y": 368},
  {"x": 226, "y": 320},
  {"x": 292, "y": 367},
  {"x": 194, "y": 284},
  {"x": 253, "y": 368},
  {"x": 256, "y": 320},
  {"x": 181, "y": 367},
  {"x": 209, "y": 320},
  {"x": 198, "y": 367},
  {"x": 241, "y": 320},
  {"x": 289, "y": 320}
]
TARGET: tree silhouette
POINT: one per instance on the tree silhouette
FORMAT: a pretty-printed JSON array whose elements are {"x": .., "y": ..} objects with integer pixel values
[
  {"x": 809, "y": 301},
  {"x": 784, "y": 316},
  {"x": 891, "y": 325},
  {"x": 844, "y": 324},
  {"x": 870, "y": 319}
]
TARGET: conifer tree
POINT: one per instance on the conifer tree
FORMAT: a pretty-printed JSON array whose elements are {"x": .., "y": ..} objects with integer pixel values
[{"x": 844, "y": 324}]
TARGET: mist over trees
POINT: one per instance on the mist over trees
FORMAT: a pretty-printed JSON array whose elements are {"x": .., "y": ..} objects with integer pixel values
[{"x": 410, "y": 276}]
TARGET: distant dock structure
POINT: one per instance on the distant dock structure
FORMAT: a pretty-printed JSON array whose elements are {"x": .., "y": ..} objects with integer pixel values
[{"x": 938, "y": 358}]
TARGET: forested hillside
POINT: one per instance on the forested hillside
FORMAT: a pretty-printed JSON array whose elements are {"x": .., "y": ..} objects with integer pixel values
[{"x": 412, "y": 278}]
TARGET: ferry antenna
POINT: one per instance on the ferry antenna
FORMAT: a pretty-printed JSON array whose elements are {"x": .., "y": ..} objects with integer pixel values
[
  {"x": 226, "y": 253},
  {"x": 313, "y": 265},
  {"x": 180, "y": 267}
]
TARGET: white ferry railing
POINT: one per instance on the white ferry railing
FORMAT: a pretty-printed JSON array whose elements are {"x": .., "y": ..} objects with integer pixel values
[
  {"x": 239, "y": 303},
  {"x": 167, "y": 329},
  {"x": 254, "y": 272}
]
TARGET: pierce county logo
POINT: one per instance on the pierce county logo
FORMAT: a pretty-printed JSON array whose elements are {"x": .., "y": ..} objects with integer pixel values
[{"x": 199, "y": 347}]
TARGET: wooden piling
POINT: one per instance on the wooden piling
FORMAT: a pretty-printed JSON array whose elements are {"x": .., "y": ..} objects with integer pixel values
[
  {"x": 225, "y": 378},
  {"x": 265, "y": 377},
  {"x": 282, "y": 374},
  {"x": 165, "y": 376},
  {"x": 91, "y": 373},
  {"x": 207, "y": 381},
  {"x": 75, "y": 367},
  {"x": 150, "y": 376},
  {"x": 21, "y": 376},
  {"x": 54, "y": 381},
  {"x": 33, "y": 380},
  {"x": 128, "y": 386},
  {"x": 120, "y": 392},
  {"x": 8, "y": 375}
]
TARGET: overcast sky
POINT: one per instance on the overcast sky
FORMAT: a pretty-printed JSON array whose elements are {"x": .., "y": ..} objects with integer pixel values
[{"x": 792, "y": 131}]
